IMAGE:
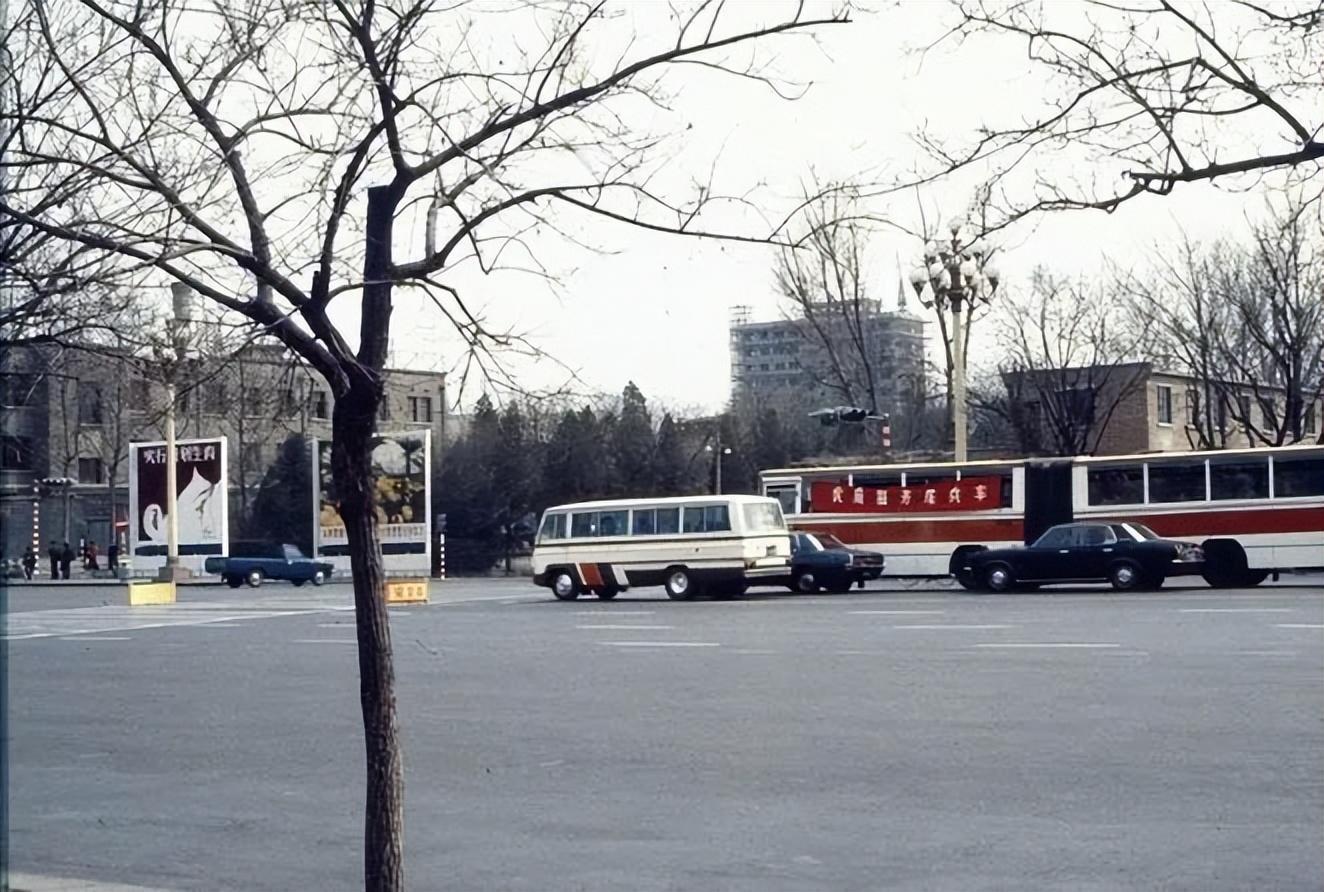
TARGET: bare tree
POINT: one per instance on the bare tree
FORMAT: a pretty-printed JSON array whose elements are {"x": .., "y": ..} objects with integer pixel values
[
  {"x": 1069, "y": 360},
  {"x": 1153, "y": 93},
  {"x": 231, "y": 148},
  {"x": 855, "y": 353},
  {"x": 1245, "y": 321}
]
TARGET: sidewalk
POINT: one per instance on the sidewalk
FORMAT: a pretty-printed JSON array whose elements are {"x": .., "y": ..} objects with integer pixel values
[{"x": 25, "y": 882}]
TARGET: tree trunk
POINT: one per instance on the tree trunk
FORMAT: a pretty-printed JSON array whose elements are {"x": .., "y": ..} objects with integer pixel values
[{"x": 351, "y": 462}]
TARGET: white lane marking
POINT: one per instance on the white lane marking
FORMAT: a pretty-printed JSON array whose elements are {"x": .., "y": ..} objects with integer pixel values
[
  {"x": 325, "y": 641},
  {"x": 1265, "y": 653},
  {"x": 335, "y": 625},
  {"x": 95, "y": 638},
  {"x": 1237, "y": 610},
  {"x": 659, "y": 644},
  {"x": 895, "y": 612},
  {"x": 606, "y": 611},
  {"x": 750, "y": 652},
  {"x": 1299, "y": 626},
  {"x": 955, "y": 626},
  {"x": 1047, "y": 644},
  {"x": 624, "y": 627}
]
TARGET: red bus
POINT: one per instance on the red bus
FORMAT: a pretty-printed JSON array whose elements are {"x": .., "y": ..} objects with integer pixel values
[{"x": 1256, "y": 512}]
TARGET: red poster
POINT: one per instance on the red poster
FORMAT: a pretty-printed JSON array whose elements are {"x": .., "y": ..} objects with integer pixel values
[{"x": 966, "y": 494}]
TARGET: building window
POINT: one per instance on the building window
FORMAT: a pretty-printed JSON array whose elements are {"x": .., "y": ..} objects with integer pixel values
[
  {"x": 321, "y": 405},
  {"x": 384, "y": 409},
  {"x": 15, "y": 453},
  {"x": 90, "y": 470},
  {"x": 1192, "y": 407},
  {"x": 1164, "y": 393},
  {"x": 253, "y": 401},
  {"x": 420, "y": 409},
  {"x": 16, "y": 390},
  {"x": 89, "y": 403},
  {"x": 140, "y": 391},
  {"x": 1308, "y": 423},
  {"x": 1243, "y": 407},
  {"x": 251, "y": 453}
]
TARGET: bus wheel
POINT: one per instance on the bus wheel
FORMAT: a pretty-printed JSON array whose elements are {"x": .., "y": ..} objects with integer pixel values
[
  {"x": 606, "y": 594},
  {"x": 999, "y": 578},
  {"x": 680, "y": 584},
  {"x": 564, "y": 586}
]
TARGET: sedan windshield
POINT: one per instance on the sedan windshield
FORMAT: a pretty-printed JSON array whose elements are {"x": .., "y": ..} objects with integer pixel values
[
  {"x": 829, "y": 541},
  {"x": 1142, "y": 531}
]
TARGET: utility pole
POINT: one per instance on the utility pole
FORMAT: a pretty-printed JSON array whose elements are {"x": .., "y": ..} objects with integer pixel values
[{"x": 718, "y": 450}]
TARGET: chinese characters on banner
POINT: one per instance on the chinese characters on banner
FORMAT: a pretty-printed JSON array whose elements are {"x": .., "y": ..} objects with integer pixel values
[
  {"x": 200, "y": 497},
  {"x": 966, "y": 494}
]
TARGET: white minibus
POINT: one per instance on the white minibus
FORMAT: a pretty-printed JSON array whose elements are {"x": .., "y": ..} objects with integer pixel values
[{"x": 688, "y": 545}]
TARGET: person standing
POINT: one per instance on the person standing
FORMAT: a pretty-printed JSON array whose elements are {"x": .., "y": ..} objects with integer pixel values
[
  {"x": 54, "y": 553},
  {"x": 66, "y": 560},
  {"x": 92, "y": 564},
  {"x": 29, "y": 562},
  {"x": 113, "y": 557}
]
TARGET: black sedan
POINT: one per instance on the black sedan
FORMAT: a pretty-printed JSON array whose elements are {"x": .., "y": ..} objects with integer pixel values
[
  {"x": 821, "y": 561},
  {"x": 1128, "y": 555}
]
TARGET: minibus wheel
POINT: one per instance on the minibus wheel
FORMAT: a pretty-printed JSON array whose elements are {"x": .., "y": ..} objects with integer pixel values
[
  {"x": 564, "y": 586},
  {"x": 680, "y": 584}
]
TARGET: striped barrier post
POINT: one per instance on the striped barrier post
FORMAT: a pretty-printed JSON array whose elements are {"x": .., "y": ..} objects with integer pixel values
[
  {"x": 887, "y": 432},
  {"x": 441, "y": 555}
]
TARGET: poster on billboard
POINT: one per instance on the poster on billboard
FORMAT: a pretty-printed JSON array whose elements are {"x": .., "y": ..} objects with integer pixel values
[
  {"x": 201, "y": 495},
  {"x": 402, "y": 491}
]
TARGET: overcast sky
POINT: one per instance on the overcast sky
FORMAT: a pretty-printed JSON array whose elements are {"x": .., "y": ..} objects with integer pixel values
[{"x": 654, "y": 309}]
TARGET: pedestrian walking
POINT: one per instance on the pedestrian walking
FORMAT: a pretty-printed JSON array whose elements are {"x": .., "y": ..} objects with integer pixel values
[
  {"x": 66, "y": 560},
  {"x": 54, "y": 553},
  {"x": 92, "y": 564},
  {"x": 29, "y": 562},
  {"x": 113, "y": 558}
]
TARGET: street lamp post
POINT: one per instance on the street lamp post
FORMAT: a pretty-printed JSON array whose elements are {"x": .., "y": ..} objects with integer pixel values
[
  {"x": 718, "y": 450},
  {"x": 177, "y": 329},
  {"x": 957, "y": 275}
]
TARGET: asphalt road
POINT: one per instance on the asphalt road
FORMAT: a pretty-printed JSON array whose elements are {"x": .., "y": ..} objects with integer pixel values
[{"x": 909, "y": 739}]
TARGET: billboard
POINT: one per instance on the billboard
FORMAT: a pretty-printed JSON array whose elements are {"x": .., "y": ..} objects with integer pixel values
[
  {"x": 402, "y": 491},
  {"x": 201, "y": 497}
]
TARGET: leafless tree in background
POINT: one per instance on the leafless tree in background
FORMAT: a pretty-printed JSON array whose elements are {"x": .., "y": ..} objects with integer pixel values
[
  {"x": 1245, "y": 320},
  {"x": 232, "y": 147},
  {"x": 1145, "y": 95},
  {"x": 1069, "y": 359}
]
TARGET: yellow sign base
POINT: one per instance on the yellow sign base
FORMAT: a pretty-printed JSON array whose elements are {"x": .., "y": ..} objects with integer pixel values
[
  {"x": 142, "y": 594},
  {"x": 407, "y": 591}
]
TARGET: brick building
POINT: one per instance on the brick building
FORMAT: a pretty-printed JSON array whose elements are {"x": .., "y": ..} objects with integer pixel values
[{"x": 1134, "y": 408}]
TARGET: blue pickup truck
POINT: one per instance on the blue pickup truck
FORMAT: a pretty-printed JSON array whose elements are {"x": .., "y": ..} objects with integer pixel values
[{"x": 255, "y": 562}]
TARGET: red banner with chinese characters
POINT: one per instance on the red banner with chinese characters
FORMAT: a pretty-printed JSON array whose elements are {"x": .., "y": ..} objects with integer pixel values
[{"x": 966, "y": 494}]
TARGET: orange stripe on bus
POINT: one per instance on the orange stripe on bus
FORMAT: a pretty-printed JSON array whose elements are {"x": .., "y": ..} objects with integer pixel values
[{"x": 589, "y": 572}]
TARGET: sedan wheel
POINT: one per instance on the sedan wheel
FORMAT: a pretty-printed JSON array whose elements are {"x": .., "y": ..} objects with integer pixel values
[
  {"x": 805, "y": 583},
  {"x": 1125, "y": 576},
  {"x": 254, "y": 578},
  {"x": 999, "y": 578},
  {"x": 319, "y": 577}
]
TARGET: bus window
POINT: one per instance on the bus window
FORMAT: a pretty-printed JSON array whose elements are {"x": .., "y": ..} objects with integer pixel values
[
  {"x": 785, "y": 495},
  {"x": 582, "y": 524},
  {"x": 706, "y": 518},
  {"x": 1241, "y": 479},
  {"x": 1177, "y": 482},
  {"x": 761, "y": 516},
  {"x": 553, "y": 527},
  {"x": 668, "y": 521},
  {"x": 1298, "y": 477},
  {"x": 1117, "y": 485},
  {"x": 613, "y": 523},
  {"x": 644, "y": 521}
]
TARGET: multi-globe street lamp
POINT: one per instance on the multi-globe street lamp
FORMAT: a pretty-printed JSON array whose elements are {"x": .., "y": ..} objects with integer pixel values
[
  {"x": 957, "y": 276},
  {"x": 717, "y": 450}
]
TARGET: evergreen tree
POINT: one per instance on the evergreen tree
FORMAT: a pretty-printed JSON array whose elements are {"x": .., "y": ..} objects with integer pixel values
[
  {"x": 633, "y": 444},
  {"x": 669, "y": 463},
  {"x": 283, "y": 508}
]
